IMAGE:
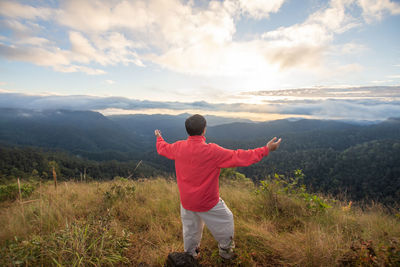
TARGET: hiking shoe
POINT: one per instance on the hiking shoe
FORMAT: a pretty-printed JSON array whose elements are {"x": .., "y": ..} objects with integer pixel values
[
  {"x": 181, "y": 259},
  {"x": 226, "y": 253},
  {"x": 196, "y": 254}
]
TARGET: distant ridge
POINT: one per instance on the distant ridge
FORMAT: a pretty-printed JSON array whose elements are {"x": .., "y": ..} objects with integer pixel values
[
  {"x": 334, "y": 155},
  {"x": 92, "y": 131},
  {"x": 63, "y": 129}
]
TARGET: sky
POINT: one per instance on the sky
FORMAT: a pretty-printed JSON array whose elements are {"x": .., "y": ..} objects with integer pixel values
[{"x": 259, "y": 59}]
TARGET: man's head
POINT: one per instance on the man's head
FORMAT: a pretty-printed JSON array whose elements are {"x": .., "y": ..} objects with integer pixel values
[{"x": 195, "y": 125}]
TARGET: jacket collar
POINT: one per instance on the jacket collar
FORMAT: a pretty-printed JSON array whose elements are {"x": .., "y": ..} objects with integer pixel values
[{"x": 197, "y": 138}]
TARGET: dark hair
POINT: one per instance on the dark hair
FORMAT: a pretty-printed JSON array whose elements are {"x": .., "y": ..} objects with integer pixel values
[{"x": 195, "y": 124}]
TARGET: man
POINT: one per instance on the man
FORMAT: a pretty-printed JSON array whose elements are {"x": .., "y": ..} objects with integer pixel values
[{"x": 198, "y": 166}]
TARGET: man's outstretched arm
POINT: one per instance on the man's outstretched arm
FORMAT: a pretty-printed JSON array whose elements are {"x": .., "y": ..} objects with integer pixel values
[
  {"x": 227, "y": 158},
  {"x": 163, "y": 148}
]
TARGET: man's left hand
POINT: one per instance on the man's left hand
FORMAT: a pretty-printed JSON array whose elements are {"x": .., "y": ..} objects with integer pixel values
[
  {"x": 273, "y": 144},
  {"x": 157, "y": 133}
]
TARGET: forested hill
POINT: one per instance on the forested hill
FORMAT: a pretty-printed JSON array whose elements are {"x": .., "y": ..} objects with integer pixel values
[
  {"x": 69, "y": 130},
  {"x": 359, "y": 160},
  {"x": 306, "y": 134},
  {"x": 88, "y": 131}
]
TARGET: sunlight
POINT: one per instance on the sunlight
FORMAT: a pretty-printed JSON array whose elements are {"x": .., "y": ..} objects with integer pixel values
[{"x": 258, "y": 117}]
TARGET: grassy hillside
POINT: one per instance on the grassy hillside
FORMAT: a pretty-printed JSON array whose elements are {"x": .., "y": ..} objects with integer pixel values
[{"x": 137, "y": 222}]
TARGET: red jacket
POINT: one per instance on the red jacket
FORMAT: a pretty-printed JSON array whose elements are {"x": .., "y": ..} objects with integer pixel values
[{"x": 198, "y": 165}]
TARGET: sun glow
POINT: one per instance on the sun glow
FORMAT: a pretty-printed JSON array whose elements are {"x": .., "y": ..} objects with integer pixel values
[{"x": 258, "y": 117}]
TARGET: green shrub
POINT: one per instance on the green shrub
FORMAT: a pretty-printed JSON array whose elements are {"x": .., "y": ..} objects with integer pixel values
[
  {"x": 10, "y": 192},
  {"x": 118, "y": 192},
  {"x": 293, "y": 187},
  {"x": 231, "y": 173},
  {"x": 121, "y": 179}
]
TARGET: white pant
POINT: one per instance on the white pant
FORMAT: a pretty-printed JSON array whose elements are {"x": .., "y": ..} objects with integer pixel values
[{"x": 219, "y": 221}]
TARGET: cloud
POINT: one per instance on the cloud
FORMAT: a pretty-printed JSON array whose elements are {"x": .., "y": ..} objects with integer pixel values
[
  {"x": 364, "y": 92},
  {"x": 342, "y": 109},
  {"x": 36, "y": 55},
  {"x": 108, "y": 15},
  {"x": 306, "y": 43},
  {"x": 34, "y": 41},
  {"x": 367, "y": 103},
  {"x": 110, "y": 81},
  {"x": 259, "y": 9},
  {"x": 299, "y": 55},
  {"x": 376, "y": 9},
  {"x": 108, "y": 48},
  {"x": 59, "y": 60},
  {"x": 298, "y": 45},
  {"x": 82, "y": 48},
  {"x": 75, "y": 68},
  {"x": 172, "y": 18},
  {"x": 14, "y": 9},
  {"x": 303, "y": 44},
  {"x": 381, "y": 81},
  {"x": 182, "y": 36},
  {"x": 213, "y": 59},
  {"x": 349, "y": 68},
  {"x": 156, "y": 21},
  {"x": 394, "y": 76},
  {"x": 348, "y": 48}
]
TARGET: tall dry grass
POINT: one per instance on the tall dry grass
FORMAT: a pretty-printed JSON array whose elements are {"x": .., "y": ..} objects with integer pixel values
[{"x": 137, "y": 222}]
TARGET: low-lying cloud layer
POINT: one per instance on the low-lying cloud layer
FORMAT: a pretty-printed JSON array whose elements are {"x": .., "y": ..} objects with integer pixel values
[
  {"x": 376, "y": 92},
  {"x": 361, "y": 103}
]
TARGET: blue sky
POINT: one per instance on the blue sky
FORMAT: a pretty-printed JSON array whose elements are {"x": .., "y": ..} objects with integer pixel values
[{"x": 221, "y": 52}]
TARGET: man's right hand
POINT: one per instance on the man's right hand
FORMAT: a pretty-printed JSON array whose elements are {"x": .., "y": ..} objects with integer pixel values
[
  {"x": 273, "y": 144},
  {"x": 157, "y": 133}
]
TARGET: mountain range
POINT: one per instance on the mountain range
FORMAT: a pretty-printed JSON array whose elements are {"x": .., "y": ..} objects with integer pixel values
[{"x": 358, "y": 160}]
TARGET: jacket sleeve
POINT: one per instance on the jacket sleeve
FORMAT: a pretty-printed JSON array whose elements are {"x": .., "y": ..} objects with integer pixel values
[
  {"x": 165, "y": 149},
  {"x": 227, "y": 158}
]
